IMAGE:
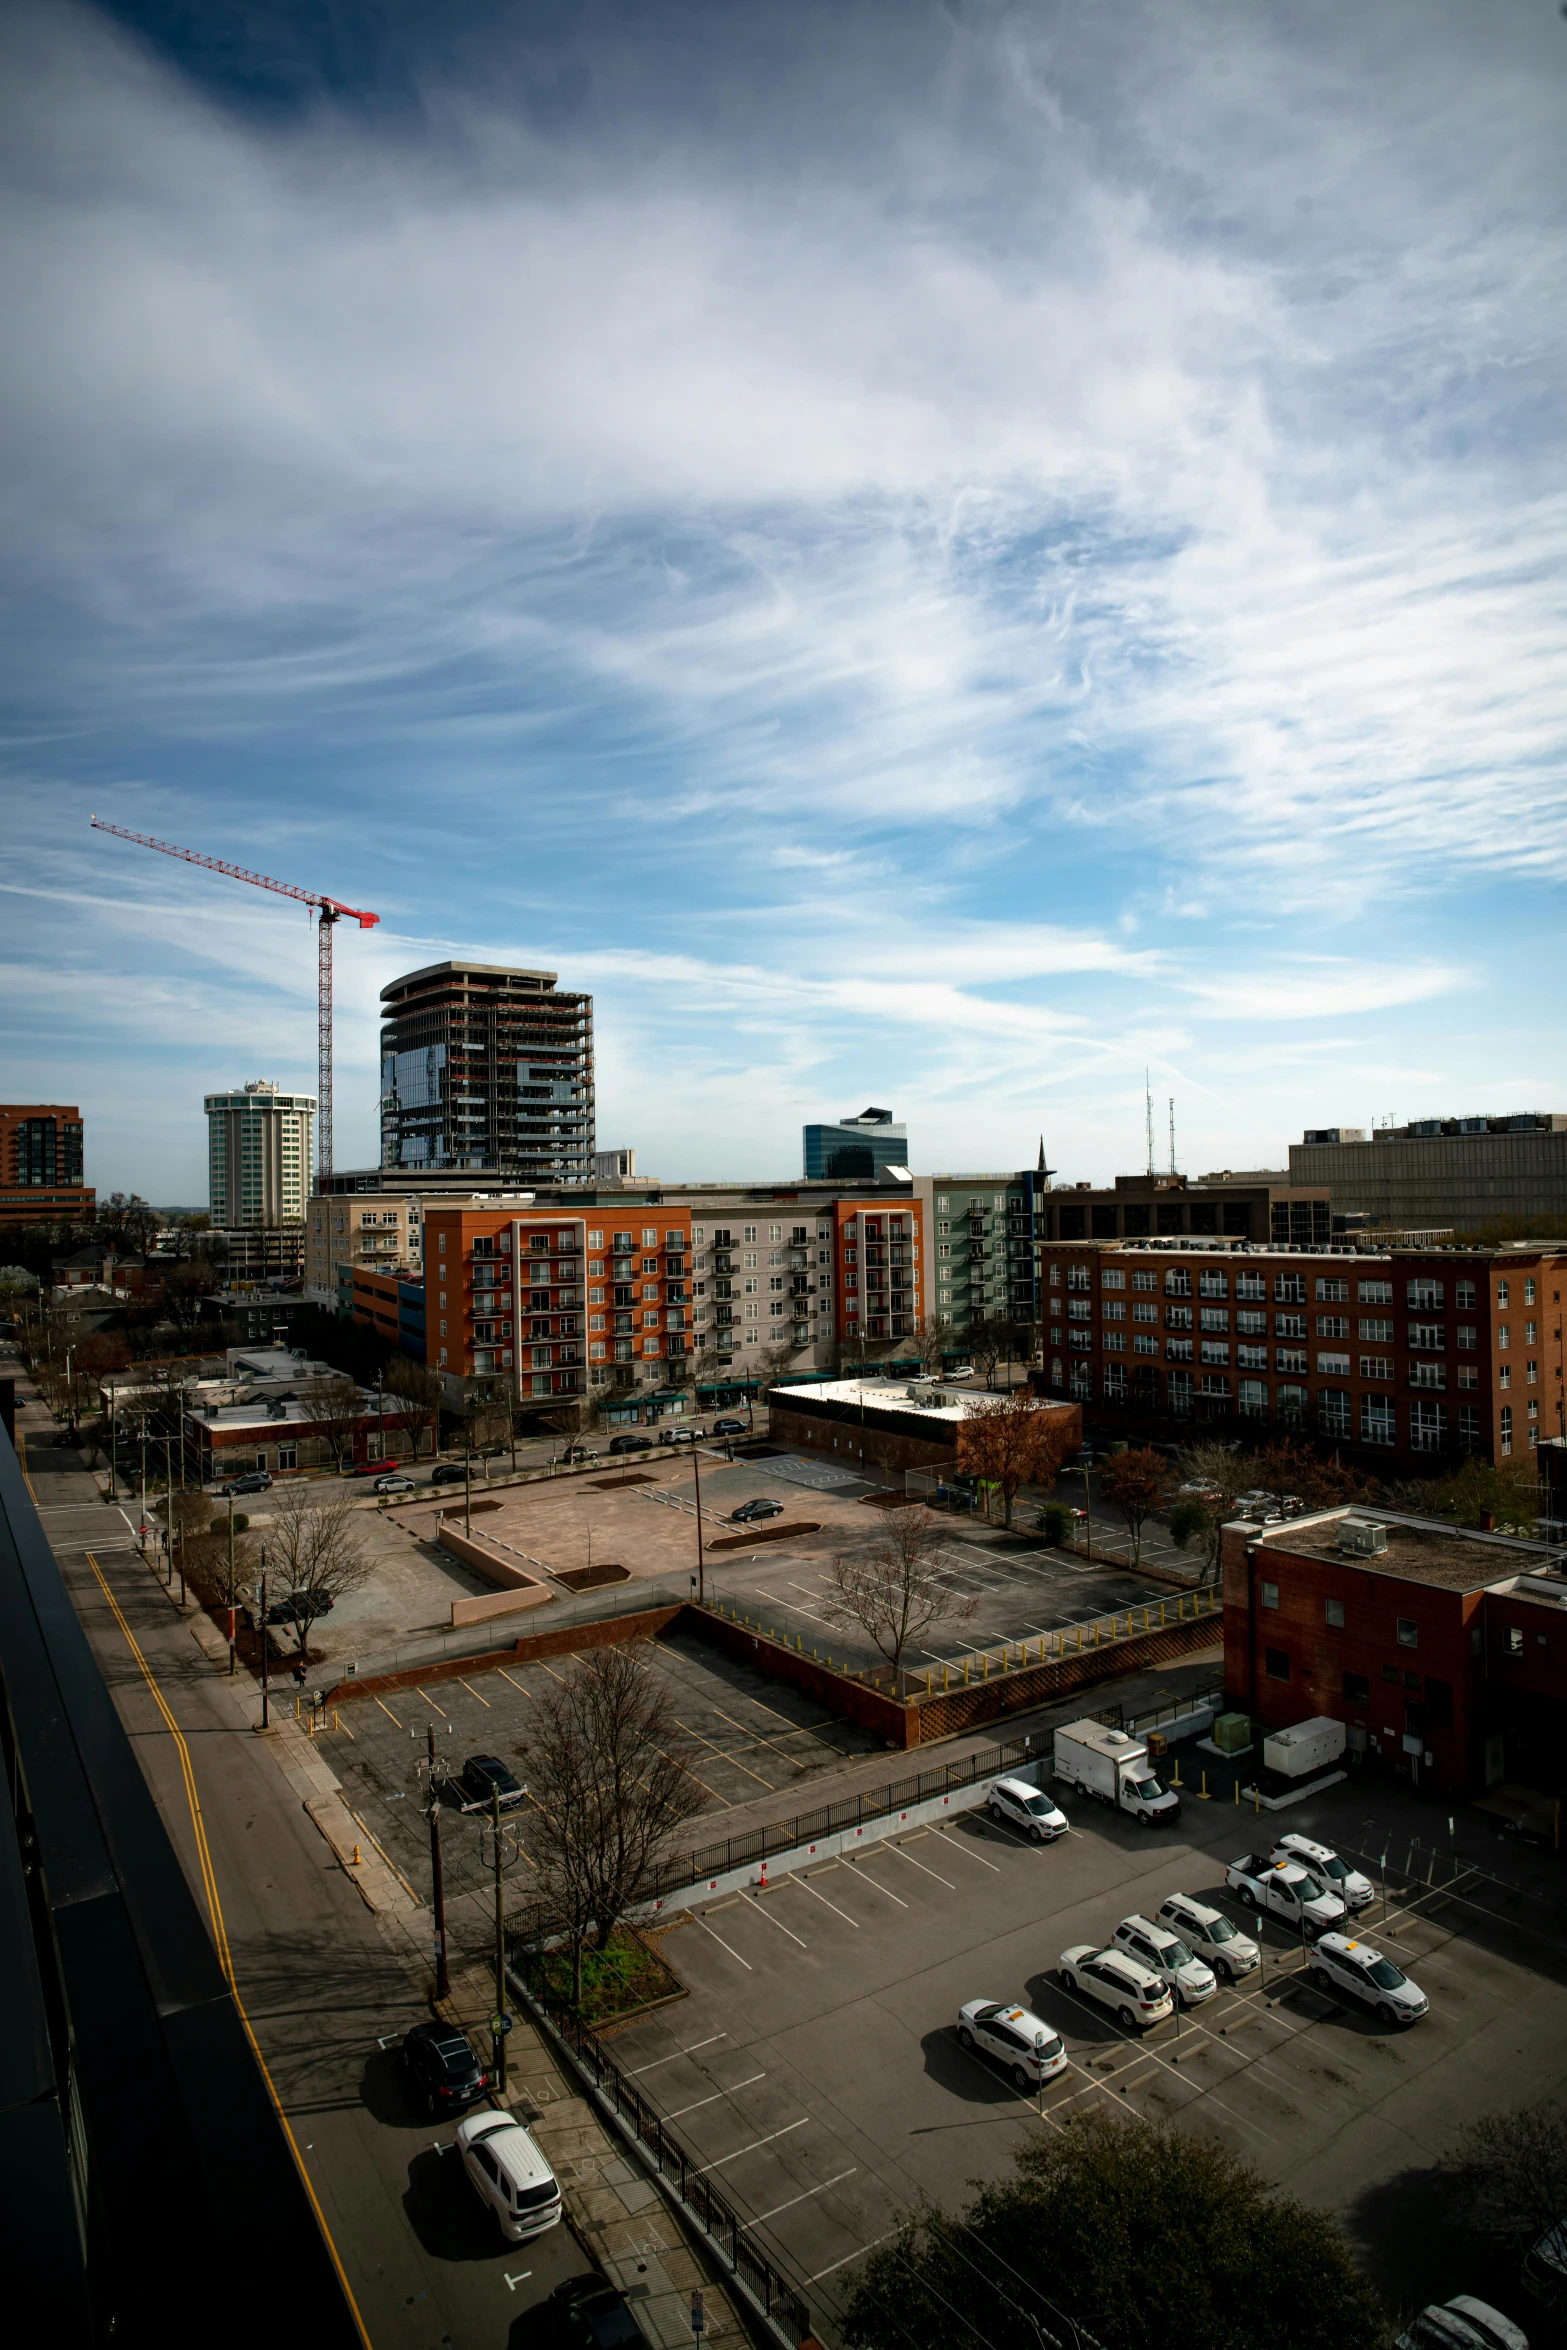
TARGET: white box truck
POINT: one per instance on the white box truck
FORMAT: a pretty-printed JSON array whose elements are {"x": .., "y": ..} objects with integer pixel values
[
  {"x": 1115, "y": 1768},
  {"x": 1310, "y": 1746}
]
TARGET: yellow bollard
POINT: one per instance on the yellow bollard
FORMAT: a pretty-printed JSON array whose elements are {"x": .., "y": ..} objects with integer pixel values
[
  {"x": 1257, "y": 1791},
  {"x": 965, "y": 1672},
  {"x": 1096, "y": 1631},
  {"x": 1204, "y": 1789},
  {"x": 984, "y": 1666},
  {"x": 1175, "y": 1777},
  {"x": 357, "y": 1862},
  {"x": 945, "y": 1678},
  {"x": 1079, "y": 1635},
  {"x": 1145, "y": 1619},
  {"x": 1161, "y": 1615},
  {"x": 1237, "y": 1790},
  {"x": 927, "y": 1681}
]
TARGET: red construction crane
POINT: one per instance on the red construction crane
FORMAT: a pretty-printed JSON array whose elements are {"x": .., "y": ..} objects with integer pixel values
[{"x": 329, "y": 912}]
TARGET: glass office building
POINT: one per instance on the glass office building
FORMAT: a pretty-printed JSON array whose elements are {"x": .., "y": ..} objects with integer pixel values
[{"x": 855, "y": 1147}]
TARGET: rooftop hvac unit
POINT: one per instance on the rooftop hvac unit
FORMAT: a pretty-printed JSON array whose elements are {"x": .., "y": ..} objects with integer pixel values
[{"x": 1362, "y": 1541}]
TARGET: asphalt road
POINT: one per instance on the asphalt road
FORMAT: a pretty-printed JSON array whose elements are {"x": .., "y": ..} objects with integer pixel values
[{"x": 328, "y": 1998}]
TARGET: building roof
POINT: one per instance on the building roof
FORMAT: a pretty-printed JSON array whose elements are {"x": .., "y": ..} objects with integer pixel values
[
  {"x": 1419, "y": 1550},
  {"x": 939, "y": 1403}
]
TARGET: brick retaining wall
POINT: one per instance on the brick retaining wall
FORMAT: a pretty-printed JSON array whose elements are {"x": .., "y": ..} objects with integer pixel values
[{"x": 563, "y": 1640}]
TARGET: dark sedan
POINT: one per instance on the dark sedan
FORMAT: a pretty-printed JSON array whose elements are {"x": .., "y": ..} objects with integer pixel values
[
  {"x": 728, "y": 1427},
  {"x": 590, "y": 2310},
  {"x": 445, "y": 2070},
  {"x": 750, "y": 1511},
  {"x": 449, "y": 1473},
  {"x": 631, "y": 1444},
  {"x": 485, "y": 1775}
]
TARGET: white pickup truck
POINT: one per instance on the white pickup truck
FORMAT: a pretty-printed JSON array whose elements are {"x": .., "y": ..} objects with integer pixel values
[
  {"x": 1115, "y": 1768},
  {"x": 1286, "y": 1888}
]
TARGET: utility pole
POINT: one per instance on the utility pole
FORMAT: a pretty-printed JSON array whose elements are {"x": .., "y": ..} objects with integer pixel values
[
  {"x": 231, "y": 1587},
  {"x": 467, "y": 1488},
  {"x": 1148, "y": 1113},
  {"x": 498, "y": 2038},
  {"x": 266, "y": 1685},
  {"x": 1172, "y": 1134},
  {"x": 443, "y": 1981},
  {"x": 701, "y": 1564}
]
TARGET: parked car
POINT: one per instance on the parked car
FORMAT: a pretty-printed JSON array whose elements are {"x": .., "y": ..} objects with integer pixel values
[
  {"x": 1354, "y": 1890},
  {"x": 678, "y": 1435},
  {"x": 445, "y": 2070},
  {"x": 374, "y": 1468},
  {"x": 631, "y": 1444},
  {"x": 253, "y": 1481},
  {"x": 1184, "y": 1975},
  {"x": 449, "y": 1473},
  {"x": 485, "y": 1775},
  {"x": 394, "y": 1481},
  {"x": 1462, "y": 2324},
  {"x": 300, "y": 1607},
  {"x": 591, "y": 2310},
  {"x": 1211, "y": 1935},
  {"x": 728, "y": 1427},
  {"x": 1027, "y": 1809},
  {"x": 750, "y": 1511},
  {"x": 1023, "y": 2043},
  {"x": 509, "y": 2174},
  {"x": 1343, "y": 1963},
  {"x": 579, "y": 1452},
  {"x": 1545, "y": 2268},
  {"x": 1117, "y": 1980},
  {"x": 1290, "y": 1891}
]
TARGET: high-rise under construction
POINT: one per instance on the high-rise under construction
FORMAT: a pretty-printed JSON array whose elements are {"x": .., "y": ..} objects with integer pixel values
[{"x": 487, "y": 1067}]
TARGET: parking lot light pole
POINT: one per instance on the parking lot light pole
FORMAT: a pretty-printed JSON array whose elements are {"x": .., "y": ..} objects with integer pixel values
[
  {"x": 266, "y": 1685},
  {"x": 443, "y": 1981},
  {"x": 231, "y": 1587},
  {"x": 701, "y": 1570}
]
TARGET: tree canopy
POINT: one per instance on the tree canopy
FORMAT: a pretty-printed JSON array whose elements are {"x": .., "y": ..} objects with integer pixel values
[{"x": 1147, "y": 2238}]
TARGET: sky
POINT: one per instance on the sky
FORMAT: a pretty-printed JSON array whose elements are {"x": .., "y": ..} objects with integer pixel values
[{"x": 947, "y": 556}]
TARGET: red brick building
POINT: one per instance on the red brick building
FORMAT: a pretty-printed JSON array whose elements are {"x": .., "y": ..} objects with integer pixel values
[
  {"x": 1444, "y": 1653},
  {"x": 1394, "y": 1357},
  {"x": 41, "y": 1165}
]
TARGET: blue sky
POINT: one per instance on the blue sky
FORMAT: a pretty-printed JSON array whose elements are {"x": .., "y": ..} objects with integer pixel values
[{"x": 937, "y": 556}]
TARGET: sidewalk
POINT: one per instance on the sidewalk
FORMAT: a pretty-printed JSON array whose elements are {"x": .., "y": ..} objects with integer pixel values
[{"x": 616, "y": 2212}]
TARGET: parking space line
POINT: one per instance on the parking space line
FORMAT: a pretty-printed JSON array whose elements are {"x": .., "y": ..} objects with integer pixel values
[
  {"x": 865, "y": 1876},
  {"x": 391, "y": 1717},
  {"x": 697, "y": 2103},
  {"x": 848, "y": 2256},
  {"x": 951, "y": 1844},
  {"x": 724, "y": 1755},
  {"x": 722, "y": 1944},
  {"x": 757, "y": 1903},
  {"x": 674, "y": 2052},
  {"x": 434, "y": 1708},
  {"x": 472, "y": 1692},
  {"x": 920, "y": 1865},
  {"x": 763, "y": 2216},
  {"x": 754, "y": 2145},
  {"x": 806, "y": 1886},
  {"x": 517, "y": 1685}
]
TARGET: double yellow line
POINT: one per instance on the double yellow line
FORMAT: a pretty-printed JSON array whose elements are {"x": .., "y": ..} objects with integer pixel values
[{"x": 220, "y": 1933}]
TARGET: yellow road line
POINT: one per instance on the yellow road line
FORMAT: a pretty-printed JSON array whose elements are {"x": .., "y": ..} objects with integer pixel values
[
  {"x": 21, "y": 1457},
  {"x": 220, "y": 1937}
]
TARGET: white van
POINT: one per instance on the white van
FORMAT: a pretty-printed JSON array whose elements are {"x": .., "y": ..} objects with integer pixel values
[{"x": 509, "y": 2174}]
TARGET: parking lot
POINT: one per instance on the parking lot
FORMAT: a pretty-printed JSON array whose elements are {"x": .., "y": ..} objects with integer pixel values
[
  {"x": 747, "y": 1738},
  {"x": 815, "y": 2067}
]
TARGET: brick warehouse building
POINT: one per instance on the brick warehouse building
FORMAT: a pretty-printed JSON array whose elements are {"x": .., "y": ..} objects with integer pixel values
[
  {"x": 1395, "y": 1358},
  {"x": 1444, "y": 1652}
]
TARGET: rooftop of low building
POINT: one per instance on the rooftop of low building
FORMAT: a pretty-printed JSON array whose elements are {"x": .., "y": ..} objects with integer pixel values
[{"x": 1418, "y": 1550}]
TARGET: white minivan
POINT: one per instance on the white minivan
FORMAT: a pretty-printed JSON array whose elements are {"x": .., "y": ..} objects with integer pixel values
[{"x": 509, "y": 2174}]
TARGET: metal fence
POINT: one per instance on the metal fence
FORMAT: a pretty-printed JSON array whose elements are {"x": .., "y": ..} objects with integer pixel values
[{"x": 768, "y": 2287}]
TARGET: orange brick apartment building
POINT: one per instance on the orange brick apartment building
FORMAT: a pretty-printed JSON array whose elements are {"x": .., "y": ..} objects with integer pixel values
[{"x": 41, "y": 1165}]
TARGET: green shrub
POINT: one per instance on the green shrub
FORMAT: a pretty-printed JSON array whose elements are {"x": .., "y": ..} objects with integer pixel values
[
  {"x": 1055, "y": 1523},
  {"x": 221, "y": 1525}
]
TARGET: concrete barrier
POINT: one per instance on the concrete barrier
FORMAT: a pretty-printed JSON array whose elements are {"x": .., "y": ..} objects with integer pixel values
[{"x": 516, "y": 1589}]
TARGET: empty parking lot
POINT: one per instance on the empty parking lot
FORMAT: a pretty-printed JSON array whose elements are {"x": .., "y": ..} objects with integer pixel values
[{"x": 816, "y": 2071}]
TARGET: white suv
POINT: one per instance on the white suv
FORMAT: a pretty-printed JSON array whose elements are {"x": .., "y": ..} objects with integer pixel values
[
  {"x": 1339, "y": 1963},
  {"x": 1117, "y": 1980},
  {"x": 1190, "y": 1979},
  {"x": 1211, "y": 1935},
  {"x": 1028, "y": 2047},
  {"x": 509, "y": 2174},
  {"x": 1354, "y": 1890},
  {"x": 1023, "y": 1807}
]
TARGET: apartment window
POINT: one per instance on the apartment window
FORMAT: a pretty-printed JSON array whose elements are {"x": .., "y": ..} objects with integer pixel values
[
  {"x": 1077, "y": 1277},
  {"x": 1212, "y": 1285},
  {"x": 1178, "y": 1350},
  {"x": 1289, "y": 1289},
  {"x": 1291, "y": 1359},
  {"x": 1531, "y": 1372},
  {"x": 1145, "y": 1313},
  {"x": 1528, "y": 1293},
  {"x": 1268, "y": 1594},
  {"x": 1331, "y": 1289},
  {"x": 1504, "y": 1377},
  {"x": 1145, "y": 1281},
  {"x": 1357, "y": 1689},
  {"x": 1252, "y": 1325},
  {"x": 1514, "y": 1640},
  {"x": 1424, "y": 1295},
  {"x": 1502, "y": 1293},
  {"x": 1428, "y": 1427},
  {"x": 1113, "y": 1312},
  {"x": 1177, "y": 1317},
  {"x": 1333, "y": 1414},
  {"x": 1213, "y": 1318},
  {"x": 1251, "y": 1285},
  {"x": 1376, "y": 1293},
  {"x": 1408, "y": 1632},
  {"x": 1332, "y": 1326},
  {"x": 1055, "y": 1275},
  {"x": 1251, "y": 1358},
  {"x": 1507, "y": 1427},
  {"x": 1377, "y": 1425},
  {"x": 748, "y": 1233},
  {"x": 1253, "y": 1394},
  {"x": 1214, "y": 1350},
  {"x": 1114, "y": 1341},
  {"x": 288, "y": 1456},
  {"x": 1379, "y": 1333},
  {"x": 1428, "y": 1375},
  {"x": 1289, "y": 1325},
  {"x": 944, "y": 1203},
  {"x": 440, "y": 1244},
  {"x": 1177, "y": 1282},
  {"x": 1333, "y": 1613},
  {"x": 1531, "y": 1331},
  {"x": 1144, "y": 1346},
  {"x": 1276, "y": 1663},
  {"x": 1504, "y": 1335}
]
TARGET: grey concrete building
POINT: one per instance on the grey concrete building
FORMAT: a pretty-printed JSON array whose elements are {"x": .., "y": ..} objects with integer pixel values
[
  {"x": 1460, "y": 1172},
  {"x": 258, "y": 1155}
]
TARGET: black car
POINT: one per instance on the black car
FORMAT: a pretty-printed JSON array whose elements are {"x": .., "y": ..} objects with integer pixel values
[
  {"x": 631, "y": 1444},
  {"x": 485, "y": 1775},
  {"x": 449, "y": 1473},
  {"x": 300, "y": 1607},
  {"x": 751, "y": 1510},
  {"x": 590, "y": 2310},
  {"x": 253, "y": 1481},
  {"x": 728, "y": 1427},
  {"x": 445, "y": 2070}
]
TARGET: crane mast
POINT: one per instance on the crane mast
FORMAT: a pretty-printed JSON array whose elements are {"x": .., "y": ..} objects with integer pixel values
[{"x": 328, "y": 912}]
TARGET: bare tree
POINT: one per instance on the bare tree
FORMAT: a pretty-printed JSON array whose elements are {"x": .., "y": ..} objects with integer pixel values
[
  {"x": 415, "y": 1388},
  {"x": 893, "y": 1589},
  {"x": 1014, "y": 1441},
  {"x": 1135, "y": 1482},
  {"x": 334, "y": 1408},
  {"x": 989, "y": 1341},
  {"x": 314, "y": 1546},
  {"x": 607, "y": 1767},
  {"x": 930, "y": 1339},
  {"x": 1510, "y": 2172},
  {"x": 1218, "y": 1477}
]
